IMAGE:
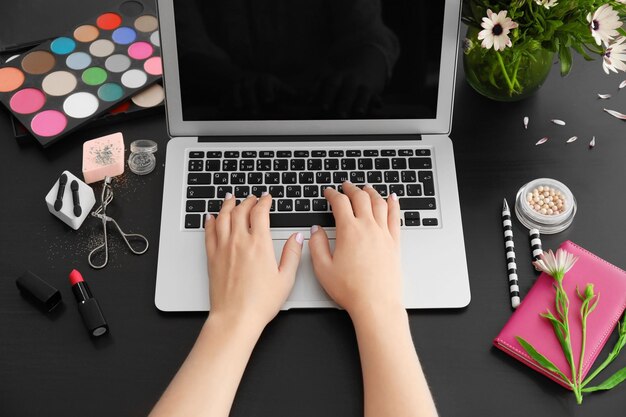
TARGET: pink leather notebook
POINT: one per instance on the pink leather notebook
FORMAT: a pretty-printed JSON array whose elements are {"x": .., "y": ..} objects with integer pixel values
[{"x": 609, "y": 281}]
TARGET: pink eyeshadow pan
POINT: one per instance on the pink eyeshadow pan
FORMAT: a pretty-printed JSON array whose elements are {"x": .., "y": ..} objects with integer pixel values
[
  {"x": 140, "y": 50},
  {"x": 48, "y": 123},
  {"x": 153, "y": 66},
  {"x": 27, "y": 101}
]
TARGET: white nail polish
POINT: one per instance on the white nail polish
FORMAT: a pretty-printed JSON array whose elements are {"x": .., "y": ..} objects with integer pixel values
[
  {"x": 299, "y": 238},
  {"x": 367, "y": 186},
  {"x": 314, "y": 229},
  {"x": 228, "y": 196},
  {"x": 264, "y": 193},
  {"x": 348, "y": 182},
  {"x": 394, "y": 197}
]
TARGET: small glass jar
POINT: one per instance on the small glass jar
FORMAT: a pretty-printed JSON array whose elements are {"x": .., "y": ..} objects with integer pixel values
[
  {"x": 142, "y": 160},
  {"x": 532, "y": 217}
]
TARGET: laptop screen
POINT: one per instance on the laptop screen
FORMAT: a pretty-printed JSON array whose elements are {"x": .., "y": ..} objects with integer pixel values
[{"x": 308, "y": 59}]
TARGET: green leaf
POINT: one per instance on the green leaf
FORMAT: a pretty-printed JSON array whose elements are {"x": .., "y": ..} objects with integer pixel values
[
  {"x": 565, "y": 57},
  {"x": 561, "y": 334},
  {"x": 613, "y": 381},
  {"x": 540, "y": 359}
]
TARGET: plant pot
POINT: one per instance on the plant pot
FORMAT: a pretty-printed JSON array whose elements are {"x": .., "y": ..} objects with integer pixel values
[{"x": 485, "y": 69}]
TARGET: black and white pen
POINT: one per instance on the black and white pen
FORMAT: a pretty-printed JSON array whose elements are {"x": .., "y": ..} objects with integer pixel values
[
  {"x": 509, "y": 248},
  {"x": 535, "y": 244}
]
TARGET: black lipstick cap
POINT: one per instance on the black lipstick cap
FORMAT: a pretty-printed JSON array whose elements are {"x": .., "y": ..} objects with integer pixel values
[
  {"x": 92, "y": 317},
  {"x": 39, "y": 291}
]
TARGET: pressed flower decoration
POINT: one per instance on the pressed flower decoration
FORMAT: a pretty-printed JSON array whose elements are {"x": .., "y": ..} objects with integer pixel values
[
  {"x": 557, "y": 265},
  {"x": 509, "y": 34}
]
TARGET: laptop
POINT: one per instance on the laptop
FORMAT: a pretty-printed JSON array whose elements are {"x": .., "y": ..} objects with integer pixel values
[{"x": 291, "y": 97}]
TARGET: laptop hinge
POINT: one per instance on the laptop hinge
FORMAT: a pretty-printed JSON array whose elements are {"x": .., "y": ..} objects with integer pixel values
[{"x": 310, "y": 138}]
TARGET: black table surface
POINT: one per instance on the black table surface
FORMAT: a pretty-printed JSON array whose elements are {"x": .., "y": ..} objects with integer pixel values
[{"x": 306, "y": 363}]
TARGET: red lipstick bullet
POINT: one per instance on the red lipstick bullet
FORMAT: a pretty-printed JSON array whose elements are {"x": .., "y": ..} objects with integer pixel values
[{"x": 87, "y": 305}]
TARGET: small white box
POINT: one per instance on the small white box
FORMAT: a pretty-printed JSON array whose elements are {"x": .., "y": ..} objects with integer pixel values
[{"x": 67, "y": 212}]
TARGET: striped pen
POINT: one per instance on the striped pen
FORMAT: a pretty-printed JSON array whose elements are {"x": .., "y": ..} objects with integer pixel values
[
  {"x": 535, "y": 244},
  {"x": 509, "y": 248}
]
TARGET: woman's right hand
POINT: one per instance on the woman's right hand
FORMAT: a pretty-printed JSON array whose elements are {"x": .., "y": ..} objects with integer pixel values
[{"x": 363, "y": 273}]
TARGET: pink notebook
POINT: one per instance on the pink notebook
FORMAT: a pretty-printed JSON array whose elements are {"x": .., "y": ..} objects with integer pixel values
[{"x": 609, "y": 281}]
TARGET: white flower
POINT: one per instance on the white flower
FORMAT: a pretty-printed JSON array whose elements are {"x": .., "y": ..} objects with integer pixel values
[
  {"x": 614, "y": 57},
  {"x": 551, "y": 3},
  {"x": 603, "y": 24},
  {"x": 496, "y": 30},
  {"x": 556, "y": 265}
]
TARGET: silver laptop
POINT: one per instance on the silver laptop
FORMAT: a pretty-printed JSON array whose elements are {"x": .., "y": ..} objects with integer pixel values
[{"x": 291, "y": 97}]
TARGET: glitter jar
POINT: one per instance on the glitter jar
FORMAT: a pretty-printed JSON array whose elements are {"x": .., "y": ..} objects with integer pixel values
[
  {"x": 547, "y": 224},
  {"x": 142, "y": 160}
]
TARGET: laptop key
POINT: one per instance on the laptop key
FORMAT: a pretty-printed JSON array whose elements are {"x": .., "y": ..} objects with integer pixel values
[
  {"x": 420, "y": 163},
  {"x": 246, "y": 165},
  {"x": 294, "y": 191},
  {"x": 195, "y": 206},
  {"x": 249, "y": 154},
  {"x": 230, "y": 165},
  {"x": 214, "y": 154},
  {"x": 422, "y": 152},
  {"x": 398, "y": 163},
  {"x": 412, "y": 222},
  {"x": 388, "y": 152},
  {"x": 301, "y": 154},
  {"x": 408, "y": 176},
  {"x": 335, "y": 154},
  {"x": 199, "y": 178},
  {"x": 277, "y": 191},
  {"x": 231, "y": 154},
  {"x": 414, "y": 190},
  {"x": 281, "y": 164},
  {"x": 222, "y": 190},
  {"x": 192, "y": 221},
  {"x": 392, "y": 176},
  {"x": 303, "y": 205},
  {"x": 348, "y": 164},
  {"x": 424, "y": 203},
  {"x": 405, "y": 152},
  {"x": 201, "y": 192},
  {"x": 331, "y": 164},
  {"x": 370, "y": 152},
  {"x": 195, "y": 165},
  {"x": 213, "y": 165},
  {"x": 430, "y": 222},
  {"x": 382, "y": 189},
  {"x": 426, "y": 178},
  {"x": 264, "y": 164},
  {"x": 318, "y": 154},
  {"x": 237, "y": 178},
  {"x": 365, "y": 164},
  {"x": 291, "y": 220},
  {"x": 297, "y": 164},
  {"x": 411, "y": 215},
  {"x": 381, "y": 163},
  {"x": 257, "y": 190},
  {"x": 314, "y": 165},
  {"x": 214, "y": 206},
  {"x": 255, "y": 178},
  {"x": 353, "y": 153},
  {"x": 220, "y": 178},
  {"x": 242, "y": 191},
  {"x": 322, "y": 177},
  {"x": 196, "y": 154},
  {"x": 340, "y": 176},
  {"x": 320, "y": 204},
  {"x": 374, "y": 177},
  {"x": 311, "y": 191},
  {"x": 357, "y": 177},
  {"x": 272, "y": 177},
  {"x": 266, "y": 154},
  {"x": 397, "y": 188},
  {"x": 290, "y": 178},
  {"x": 285, "y": 204},
  {"x": 283, "y": 154},
  {"x": 306, "y": 178}
]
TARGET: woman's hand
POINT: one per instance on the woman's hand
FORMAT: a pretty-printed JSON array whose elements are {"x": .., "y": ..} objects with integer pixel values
[
  {"x": 245, "y": 282},
  {"x": 364, "y": 271}
]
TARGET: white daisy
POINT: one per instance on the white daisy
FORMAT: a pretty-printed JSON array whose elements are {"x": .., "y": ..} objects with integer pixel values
[
  {"x": 603, "y": 24},
  {"x": 496, "y": 30},
  {"x": 556, "y": 265},
  {"x": 614, "y": 57},
  {"x": 549, "y": 3}
]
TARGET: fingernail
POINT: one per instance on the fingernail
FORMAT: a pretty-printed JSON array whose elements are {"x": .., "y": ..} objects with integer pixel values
[
  {"x": 314, "y": 229},
  {"x": 264, "y": 193},
  {"x": 208, "y": 218},
  {"x": 394, "y": 196},
  {"x": 367, "y": 186},
  {"x": 299, "y": 238},
  {"x": 347, "y": 182},
  {"x": 228, "y": 196}
]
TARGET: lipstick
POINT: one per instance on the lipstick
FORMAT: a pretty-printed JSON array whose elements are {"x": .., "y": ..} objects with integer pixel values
[{"x": 87, "y": 305}]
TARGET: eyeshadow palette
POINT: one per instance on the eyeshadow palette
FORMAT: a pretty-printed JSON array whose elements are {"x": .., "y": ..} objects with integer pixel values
[{"x": 62, "y": 84}]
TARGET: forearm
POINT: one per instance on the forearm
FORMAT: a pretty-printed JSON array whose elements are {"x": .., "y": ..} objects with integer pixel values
[
  {"x": 394, "y": 384},
  {"x": 206, "y": 383}
]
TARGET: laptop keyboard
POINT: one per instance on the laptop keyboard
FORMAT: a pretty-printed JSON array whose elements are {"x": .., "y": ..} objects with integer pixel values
[{"x": 297, "y": 179}]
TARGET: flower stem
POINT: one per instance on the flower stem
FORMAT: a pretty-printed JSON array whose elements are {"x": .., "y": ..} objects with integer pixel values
[
  {"x": 565, "y": 321},
  {"x": 505, "y": 73}
]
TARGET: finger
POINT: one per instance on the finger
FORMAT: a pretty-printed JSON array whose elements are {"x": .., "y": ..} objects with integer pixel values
[
  {"x": 260, "y": 215},
  {"x": 340, "y": 205},
  {"x": 346, "y": 98},
  {"x": 241, "y": 215},
  {"x": 290, "y": 258},
  {"x": 361, "y": 202},
  {"x": 362, "y": 102},
  {"x": 320, "y": 253},
  {"x": 379, "y": 206},
  {"x": 393, "y": 216},
  {"x": 210, "y": 235},
  {"x": 222, "y": 223}
]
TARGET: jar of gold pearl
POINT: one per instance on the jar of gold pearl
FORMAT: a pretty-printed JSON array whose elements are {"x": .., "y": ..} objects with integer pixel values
[{"x": 545, "y": 204}]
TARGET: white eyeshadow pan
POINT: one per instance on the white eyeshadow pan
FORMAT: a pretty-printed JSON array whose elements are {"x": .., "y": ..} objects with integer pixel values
[
  {"x": 80, "y": 105},
  {"x": 134, "y": 78},
  {"x": 154, "y": 38}
]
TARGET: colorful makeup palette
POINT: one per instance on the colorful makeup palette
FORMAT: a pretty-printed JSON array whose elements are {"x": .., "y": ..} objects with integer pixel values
[{"x": 60, "y": 85}]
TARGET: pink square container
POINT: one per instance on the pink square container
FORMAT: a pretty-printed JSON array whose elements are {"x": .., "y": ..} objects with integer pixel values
[{"x": 103, "y": 157}]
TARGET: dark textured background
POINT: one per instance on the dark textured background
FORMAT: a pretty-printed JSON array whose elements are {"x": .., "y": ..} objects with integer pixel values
[{"x": 306, "y": 363}]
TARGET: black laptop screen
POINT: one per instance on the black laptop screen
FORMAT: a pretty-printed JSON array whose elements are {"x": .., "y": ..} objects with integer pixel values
[{"x": 308, "y": 59}]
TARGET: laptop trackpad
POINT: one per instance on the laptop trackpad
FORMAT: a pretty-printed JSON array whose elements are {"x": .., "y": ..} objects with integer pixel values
[{"x": 306, "y": 287}]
